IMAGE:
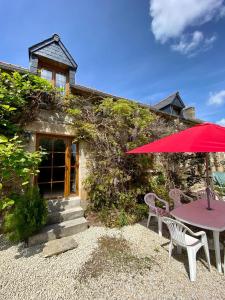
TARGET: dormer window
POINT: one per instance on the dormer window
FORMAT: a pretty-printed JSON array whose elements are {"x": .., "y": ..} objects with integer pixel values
[
  {"x": 54, "y": 62},
  {"x": 46, "y": 74},
  {"x": 58, "y": 80}
]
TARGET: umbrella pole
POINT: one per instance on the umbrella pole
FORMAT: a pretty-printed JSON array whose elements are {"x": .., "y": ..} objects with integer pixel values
[{"x": 207, "y": 163}]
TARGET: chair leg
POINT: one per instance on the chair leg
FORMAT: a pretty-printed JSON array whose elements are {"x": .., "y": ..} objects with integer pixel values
[
  {"x": 224, "y": 262},
  {"x": 148, "y": 222},
  {"x": 170, "y": 249},
  {"x": 192, "y": 263},
  {"x": 160, "y": 226},
  {"x": 179, "y": 249},
  {"x": 206, "y": 249}
]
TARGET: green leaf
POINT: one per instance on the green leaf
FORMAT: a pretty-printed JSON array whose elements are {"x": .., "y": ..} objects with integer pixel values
[
  {"x": 25, "y": 182},
  {"x": 3, "y": 139}
]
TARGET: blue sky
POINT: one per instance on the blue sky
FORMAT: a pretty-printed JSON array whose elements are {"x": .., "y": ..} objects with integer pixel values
[{"x": 124, "y": 48}]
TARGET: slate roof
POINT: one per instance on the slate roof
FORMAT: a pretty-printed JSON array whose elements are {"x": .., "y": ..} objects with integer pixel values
[
  {"x": 169, "y": 100},
  {"x": 54, "y": 49},
  {"x": 11, "y": 67}
]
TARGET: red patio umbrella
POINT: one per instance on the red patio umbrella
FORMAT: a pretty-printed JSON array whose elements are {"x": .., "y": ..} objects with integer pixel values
[{"x": 206, "y": 137}]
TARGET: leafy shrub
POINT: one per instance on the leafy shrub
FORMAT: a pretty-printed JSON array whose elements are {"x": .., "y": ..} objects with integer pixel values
[{"x": 26, "y": 217}]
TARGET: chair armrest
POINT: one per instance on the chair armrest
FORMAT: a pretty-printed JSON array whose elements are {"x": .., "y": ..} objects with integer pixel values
[
  {"x": 199, "y": 233},
  {"x": 164, "y": 202}
]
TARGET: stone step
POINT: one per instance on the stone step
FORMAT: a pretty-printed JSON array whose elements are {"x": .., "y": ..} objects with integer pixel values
[
  {"x": 56, "y": 231},
  {"x": 63, "y": 204},
  {"x": 65, "y": 215}
]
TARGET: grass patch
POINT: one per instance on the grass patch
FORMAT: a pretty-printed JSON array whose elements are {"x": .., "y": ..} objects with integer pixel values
[{"x": 113, "y": 254}]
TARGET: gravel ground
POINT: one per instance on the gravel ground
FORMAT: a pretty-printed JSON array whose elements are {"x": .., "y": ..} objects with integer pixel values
[{"x": 25, "y": 274}]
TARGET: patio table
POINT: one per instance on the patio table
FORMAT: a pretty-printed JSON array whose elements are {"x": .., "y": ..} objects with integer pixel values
[{"x": 196, "y": 213}]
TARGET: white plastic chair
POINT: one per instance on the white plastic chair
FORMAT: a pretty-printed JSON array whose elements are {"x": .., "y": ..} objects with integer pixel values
[
  {"x": 191, "y": 241},
  {"x": 176, "y": 194},
  {"x": 202, "y": 195},
  {"x": 154, "y": 211}
]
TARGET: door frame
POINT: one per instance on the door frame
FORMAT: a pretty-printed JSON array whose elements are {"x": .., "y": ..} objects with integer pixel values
[{"x": 68, "y": 141}]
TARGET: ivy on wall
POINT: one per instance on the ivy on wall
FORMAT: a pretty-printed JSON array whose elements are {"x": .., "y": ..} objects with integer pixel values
[
  {"x": 21, "y": 96},
  {"x": 116, "y": 181}
]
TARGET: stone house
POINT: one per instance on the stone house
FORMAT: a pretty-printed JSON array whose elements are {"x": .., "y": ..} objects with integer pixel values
[{"x": 63, "y": 170}]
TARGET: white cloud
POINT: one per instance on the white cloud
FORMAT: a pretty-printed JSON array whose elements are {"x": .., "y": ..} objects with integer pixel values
[
  {"x": 172, "y": 18},
  {"x": 217, "y": 98},
  {"x": 194, "y": 43},
  {"x": 221, "y": 122}
]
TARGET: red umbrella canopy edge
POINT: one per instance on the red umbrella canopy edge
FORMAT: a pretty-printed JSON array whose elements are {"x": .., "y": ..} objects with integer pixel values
[{"x": 206, "y": 137}]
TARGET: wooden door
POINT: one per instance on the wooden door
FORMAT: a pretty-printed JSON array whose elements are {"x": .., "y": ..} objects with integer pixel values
[{"x": 58, "y": 171}]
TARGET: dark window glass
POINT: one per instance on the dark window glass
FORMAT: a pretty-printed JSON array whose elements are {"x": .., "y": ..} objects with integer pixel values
[
  {"x": 46, "y": 160},
  {"x": 58, "y": 174},
  {"x": 73, "y": 154},
  {"x": 59, "y": 146},
  {"x": 44, "y": 175},
  {"x": 46, "y": 144},
  {"x": 45, "y": 189},
  {"x": 59, "y": 159},
  {"x": 57, "y": 189},
  {"x": 72, "y": 180}
]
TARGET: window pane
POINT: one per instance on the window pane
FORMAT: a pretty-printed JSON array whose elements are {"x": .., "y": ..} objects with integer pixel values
[
  {"x": 72, "y": 180},
  {"x": 46, "y": 74},
  {"x": 46, "y": 144},
  {"x": 59, "y": 159},
  {"x": 46, "y": 160},
  {"x": 45, "y": 189},
  {"x": 60, "y": 82},
  {"x": 44, "y": 175},
  {"x": 57, "y": 189},
  {"x": 58, "y": 174},
  {"x": 59, "y": 145},
  {"x": 73, "y": 154}
]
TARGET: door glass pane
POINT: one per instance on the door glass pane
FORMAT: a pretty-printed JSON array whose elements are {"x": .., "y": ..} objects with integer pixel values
[
  {"x": 44, "y": 175},
  {"x": 73, "y": 180},
  {"x": 45, "y": 189},
  {"x": 46, "y": 160},
  {"x": 59, "y": 159},
  {"x": 58, "y": 174},
  {"x": 73, "y": 154},
  {"x": 59, "y": 145},
  {"x": 46, "y": 144},
  {"x": 57, "y": 189},
  {"x": 72, "y": 187}
]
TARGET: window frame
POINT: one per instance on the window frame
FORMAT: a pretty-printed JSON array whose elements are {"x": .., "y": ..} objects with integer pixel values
[{"x": 56, "y": 70}]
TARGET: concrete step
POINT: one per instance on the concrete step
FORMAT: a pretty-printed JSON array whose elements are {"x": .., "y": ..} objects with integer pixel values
[
  {"x": 56, "y": 231},
  {"x": 65, "y": 215},
  {"x": 63, "y": 204}
]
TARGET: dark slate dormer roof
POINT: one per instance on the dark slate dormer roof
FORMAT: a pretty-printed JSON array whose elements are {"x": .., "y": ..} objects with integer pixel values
[
  {"x": 174, "y": 100},
  {"x": 52, "y": 48}
]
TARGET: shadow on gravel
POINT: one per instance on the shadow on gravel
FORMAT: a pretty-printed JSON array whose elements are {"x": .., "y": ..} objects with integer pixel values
[{"x": 26, "y": 252}]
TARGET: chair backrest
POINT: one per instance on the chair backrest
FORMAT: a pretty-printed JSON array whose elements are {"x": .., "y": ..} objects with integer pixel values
[
  {"x": 175, "y": 195},
  {"x": 177, "y": 230},
  {"x": 202, "y": 195},
  {"x": 150, "y": 199}
]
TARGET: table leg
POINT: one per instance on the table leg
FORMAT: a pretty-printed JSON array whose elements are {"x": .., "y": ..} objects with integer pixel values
[{"x": 216, "y": 238}]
